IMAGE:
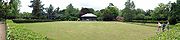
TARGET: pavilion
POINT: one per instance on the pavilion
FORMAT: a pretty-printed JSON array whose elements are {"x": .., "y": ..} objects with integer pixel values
[{"x": 88, "y": 17}]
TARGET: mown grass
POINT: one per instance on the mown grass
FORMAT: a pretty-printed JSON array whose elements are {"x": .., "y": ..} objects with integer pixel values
[
  {"x": 73, "y": 30},
  {"x": 144, "y": 24}
]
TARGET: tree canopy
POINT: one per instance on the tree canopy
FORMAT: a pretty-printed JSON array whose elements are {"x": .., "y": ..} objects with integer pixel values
[
  {"x": 9, "y": 10},
  {"x": 128, "y": 11}
]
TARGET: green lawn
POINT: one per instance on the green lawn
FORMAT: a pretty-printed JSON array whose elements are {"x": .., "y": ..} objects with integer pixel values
[{"x": 72, "y": 30}]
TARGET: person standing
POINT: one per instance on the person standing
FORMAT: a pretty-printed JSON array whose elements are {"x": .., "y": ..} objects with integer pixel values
[
  {"x": 163, "y": 27},
  {"x": 167, "y": 25},
  {"x": 159, "y": 26}
]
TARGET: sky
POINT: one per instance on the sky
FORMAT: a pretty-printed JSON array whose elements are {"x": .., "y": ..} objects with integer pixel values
[{"x": 95, "y": 4}]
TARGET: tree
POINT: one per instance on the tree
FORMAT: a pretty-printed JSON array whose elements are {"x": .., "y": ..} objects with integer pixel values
[
  {"x": 160, "y": 12},
  {"x": 128, "y": 11},
  {"x": 38, "y": 8},
  {"x": 61, "y": 15},
  {"x": 9, "y": 10},
  {"x": 50, "y": 12},
  {"x": 99, "y": 15},
  {"x": 178, "y": 10},
  {"x": 71, "y": 13},
  {"x": 139, "y": 14},
  {"x": 173, "y": 12},
  {"x": 148, "y": 15},
  {"x": 2, "y": 10},
  {"x": 56, "y": 13},
  {"x": 168, "y": 12},
  {"x": 85, "y": 11},
  {"x": 148, "y": 12},
  {"x": 24, "y": 15},
  {"x": 110, "y": 13},
  {"x": 15, "y": 4}
]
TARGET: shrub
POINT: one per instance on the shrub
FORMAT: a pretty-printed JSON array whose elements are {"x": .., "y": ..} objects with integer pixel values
[
  {"x": 18, "y": 32},
  {"x": 30, "y": 20},
  {"x": 173, "y": 34},
  {"x": 172, "y": 21}
]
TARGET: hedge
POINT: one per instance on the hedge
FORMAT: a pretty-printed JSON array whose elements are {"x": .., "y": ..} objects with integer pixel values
[
  {"x": 148, "y": 21},
  {"x": 18, "y": 32},
  {"x": 31, "y": 20}
]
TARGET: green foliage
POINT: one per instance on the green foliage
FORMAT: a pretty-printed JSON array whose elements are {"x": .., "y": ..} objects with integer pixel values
[
  {"x": 85, "y": 11},
  {"x": 18, "y": 32},
  {"x": 31, "y": 20},
  {"x": 160, "y": 12},
  {"x": 24, "y": 15},
  {"x": 108, "y": 14},
  {"x": 71, "y": 13},
  {"x": 173, "y": 34},
  {"x": 1, "y": 10},
  {"x": 139, "y": 14},
  {"x": 172, "y": 20},
  {"x": 9, "y": 10},
  {"x": 50, "y": 12},
  {"x": 168, "y": 12},
  {"x": 111, "y": 12},
  {"x": 128, "y": 11},
  {"x": 99, "y": 15},
  {"x": 174, "y": 12},
  {"x": 38, "y": 8},
  {"x": 14, "y": 4}
]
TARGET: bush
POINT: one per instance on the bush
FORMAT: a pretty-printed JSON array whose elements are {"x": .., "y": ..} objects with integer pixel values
[
  {"x": 146, "y": 21},
  {"x": 17, "y": 32},
  {"x": 151, "y": 21},
  {"x": 30, "y": 20},
  {"x": 173, "y": 34},
  {"x": 172, "y": 21}
]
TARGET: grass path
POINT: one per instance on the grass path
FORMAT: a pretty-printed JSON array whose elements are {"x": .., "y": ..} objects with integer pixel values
[{"x": 73, "y": 30}]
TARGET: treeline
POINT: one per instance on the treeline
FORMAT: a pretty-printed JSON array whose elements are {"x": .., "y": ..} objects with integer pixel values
[
  {"x": 10, "y": 9},
  {"x": 170, "y": 11}
]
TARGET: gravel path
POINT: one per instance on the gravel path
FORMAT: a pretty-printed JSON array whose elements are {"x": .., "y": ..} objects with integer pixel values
[{"x": 2, "y": 31}]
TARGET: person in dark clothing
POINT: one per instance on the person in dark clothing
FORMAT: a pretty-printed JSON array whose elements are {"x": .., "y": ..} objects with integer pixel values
[
  {"x": 167, "y": 25},
  {"x": 163, "y": 27}
]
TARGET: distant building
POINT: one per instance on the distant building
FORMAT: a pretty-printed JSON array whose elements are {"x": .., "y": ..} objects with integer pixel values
[{"x": 88, "y": 17}]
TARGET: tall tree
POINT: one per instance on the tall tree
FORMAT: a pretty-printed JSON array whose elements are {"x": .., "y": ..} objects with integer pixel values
[
  {"x": 10, "y": 9},
  {"x": 128, "y": 11},
  {"x": 56, "y": 13},
  {"x": 1, "y": 9},
  {"x": 168, "y": 12},
  {"x": 50, "y": 11},
  {"x": 110, "y": 13},
  {"x": 178, "y": 10},
  {"x": 71, "y": 13},
  {"x": 160, "y": 12},
  {"x": 15, "y": 4},
  {"x": 173, "y": 12},
  {"x": 37, "y": 11}
]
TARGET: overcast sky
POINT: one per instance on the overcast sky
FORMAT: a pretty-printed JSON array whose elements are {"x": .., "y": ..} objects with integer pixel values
[{"x": 96, "y": 4}]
